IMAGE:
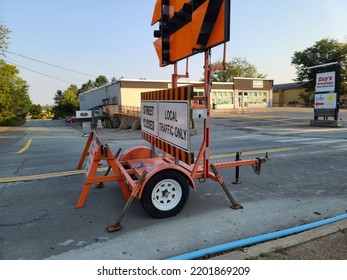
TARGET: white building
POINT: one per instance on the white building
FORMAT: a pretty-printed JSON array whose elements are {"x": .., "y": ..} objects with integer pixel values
[{"x": 241, "y": 93}]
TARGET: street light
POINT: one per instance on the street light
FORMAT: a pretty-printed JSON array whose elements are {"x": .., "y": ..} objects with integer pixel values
[{"x": 318, "y": 57}]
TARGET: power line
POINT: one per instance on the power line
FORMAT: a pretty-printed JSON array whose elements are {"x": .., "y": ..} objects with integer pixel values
[
  {"x": 50, "y": 64},
  {"x": 21, "y": 66},
  {"x": 33, "y": 65}
]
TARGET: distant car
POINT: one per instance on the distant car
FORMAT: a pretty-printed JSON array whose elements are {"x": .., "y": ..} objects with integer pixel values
[{"x": 71, "y": 119}]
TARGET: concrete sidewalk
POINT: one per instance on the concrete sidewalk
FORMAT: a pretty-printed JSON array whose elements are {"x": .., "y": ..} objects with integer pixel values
[{"x": 327, "y": 242}]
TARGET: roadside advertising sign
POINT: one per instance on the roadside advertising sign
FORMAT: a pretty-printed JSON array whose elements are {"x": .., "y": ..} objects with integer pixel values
[
  {"x": 325, "y": 82},
  {"x": 327, "y": 90},
  {"x": 325, "y": 100}
]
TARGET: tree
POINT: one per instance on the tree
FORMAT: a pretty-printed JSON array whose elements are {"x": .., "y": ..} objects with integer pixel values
[
  {"x": 333, "y": 52},
  {"x": 36, "y": 111},
  {"x": 66, "y": 103},
  {"x": 14, "y": 98},
  {"x": 70, "y": 98},
  {"x": 15, "y": 102},
  {"x": 57, "y": 109},
  {"x": 86, "y": 87},
  {"x": 4, "y": 32},
  {"x": 237, "y": 67},
  {"x": 100, "y": 81}
]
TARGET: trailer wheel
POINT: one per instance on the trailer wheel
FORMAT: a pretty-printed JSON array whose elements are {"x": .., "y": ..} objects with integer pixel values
[{"x": 165, "y": 194}]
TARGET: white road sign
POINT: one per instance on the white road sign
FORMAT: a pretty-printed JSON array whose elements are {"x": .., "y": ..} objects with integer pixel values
[
  {"x": 167, "y": 120},
  {"x": 83, "y": 114},
  {"x": 149, "y": 117},
  {"x": 174, "y": 123}
]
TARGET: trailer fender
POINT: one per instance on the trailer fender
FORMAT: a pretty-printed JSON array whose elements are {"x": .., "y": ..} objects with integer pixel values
[{"x": 137, "y": 152}]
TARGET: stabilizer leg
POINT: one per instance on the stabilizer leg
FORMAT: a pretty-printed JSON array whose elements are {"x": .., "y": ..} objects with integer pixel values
[
  {"x": 234, "y": 204},
  {"x": 117, "y": 226}
]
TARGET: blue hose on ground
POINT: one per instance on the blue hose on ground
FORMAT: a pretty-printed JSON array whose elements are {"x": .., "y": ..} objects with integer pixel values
[{"x": 256, "y": 239}]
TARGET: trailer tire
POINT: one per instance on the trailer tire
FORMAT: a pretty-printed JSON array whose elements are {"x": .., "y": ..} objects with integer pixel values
[{"x": 165, "y": 194}]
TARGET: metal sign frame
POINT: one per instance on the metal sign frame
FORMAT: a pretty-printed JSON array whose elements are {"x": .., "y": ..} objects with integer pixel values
[{"x": 327, "y": 90}]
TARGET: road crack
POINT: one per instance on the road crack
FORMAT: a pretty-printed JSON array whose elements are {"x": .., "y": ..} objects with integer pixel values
[{"x": 36, "y": 219}]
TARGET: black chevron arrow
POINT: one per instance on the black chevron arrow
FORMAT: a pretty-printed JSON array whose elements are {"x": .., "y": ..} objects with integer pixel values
[{"x": 211, "y": 15}]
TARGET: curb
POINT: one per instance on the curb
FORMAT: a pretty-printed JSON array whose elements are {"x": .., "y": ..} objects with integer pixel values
[{"x": 285, "y": 242}]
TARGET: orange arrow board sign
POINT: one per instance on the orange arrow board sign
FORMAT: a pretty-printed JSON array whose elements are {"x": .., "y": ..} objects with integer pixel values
[{"x": 188, "y": 27}]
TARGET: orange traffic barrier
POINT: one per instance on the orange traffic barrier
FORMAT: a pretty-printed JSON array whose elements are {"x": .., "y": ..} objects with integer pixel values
[{"x": 96, "y": 151}]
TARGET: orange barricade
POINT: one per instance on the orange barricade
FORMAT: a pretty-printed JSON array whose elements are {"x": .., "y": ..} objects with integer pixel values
[{"x": 96, "y": 151}]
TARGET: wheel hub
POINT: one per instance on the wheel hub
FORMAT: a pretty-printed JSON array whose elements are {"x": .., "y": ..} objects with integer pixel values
[{"x": 166, "y": 194}]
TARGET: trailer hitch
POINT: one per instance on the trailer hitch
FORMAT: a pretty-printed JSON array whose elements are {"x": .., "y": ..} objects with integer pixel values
[{"x": 257, "y": 166}]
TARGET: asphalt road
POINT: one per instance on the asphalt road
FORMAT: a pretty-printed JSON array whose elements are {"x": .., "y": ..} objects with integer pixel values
[{"x": 303, "y": 182}]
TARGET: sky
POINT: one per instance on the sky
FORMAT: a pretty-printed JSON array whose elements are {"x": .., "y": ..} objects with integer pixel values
[{"x": 84, "y": 39}]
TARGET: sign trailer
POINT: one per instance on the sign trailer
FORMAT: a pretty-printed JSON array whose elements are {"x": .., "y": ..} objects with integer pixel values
[{"x": 162, "y": 180}]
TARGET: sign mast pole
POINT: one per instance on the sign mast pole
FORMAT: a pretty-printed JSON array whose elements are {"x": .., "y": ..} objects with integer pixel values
[{"x": 207, "y": 121}]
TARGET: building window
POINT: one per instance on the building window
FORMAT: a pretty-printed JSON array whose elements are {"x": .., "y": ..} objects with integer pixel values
[
  {"x": 219, "y": 97},
  {"x": 257, "y": 97},
  {"x": 222, "y": 97}
]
